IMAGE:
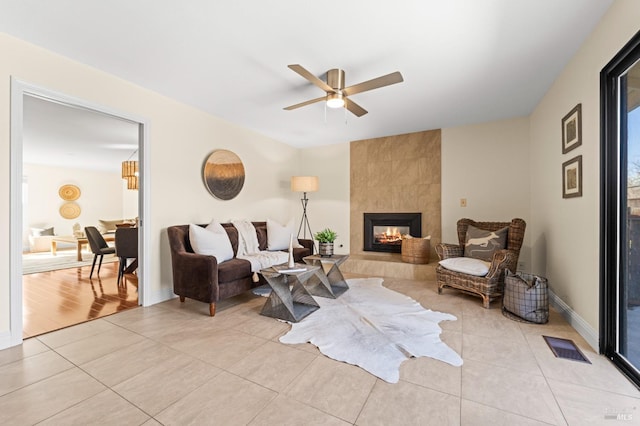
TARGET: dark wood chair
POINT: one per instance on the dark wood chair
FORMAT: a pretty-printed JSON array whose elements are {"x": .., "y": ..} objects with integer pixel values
[
  {"x": 98, "y": 245},
  {"x": 126, "y": 248}
]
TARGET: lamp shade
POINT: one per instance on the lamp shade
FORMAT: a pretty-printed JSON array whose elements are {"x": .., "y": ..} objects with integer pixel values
[
  {"x": 132, "y": 182},
  {"x": 304, "y": 183},
  {"x": 129, "y": 169}
]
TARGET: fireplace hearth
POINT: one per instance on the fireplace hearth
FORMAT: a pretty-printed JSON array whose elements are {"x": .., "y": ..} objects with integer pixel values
[{"x": 383, "y": 231}]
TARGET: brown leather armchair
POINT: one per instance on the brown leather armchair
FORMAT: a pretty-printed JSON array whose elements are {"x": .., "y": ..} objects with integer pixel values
[{"x": 490, "y": 286}]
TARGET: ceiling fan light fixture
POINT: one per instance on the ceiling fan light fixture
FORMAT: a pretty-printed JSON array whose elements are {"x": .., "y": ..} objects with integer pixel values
[{"x": 335, "y": 100}]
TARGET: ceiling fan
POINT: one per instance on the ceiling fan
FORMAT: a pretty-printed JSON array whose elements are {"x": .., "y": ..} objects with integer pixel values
[{"x": 337, "y": 94}]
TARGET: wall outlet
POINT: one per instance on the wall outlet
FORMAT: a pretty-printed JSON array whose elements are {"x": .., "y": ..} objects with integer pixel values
[
  {"x": 520, "y": 266},
  {"x": 463, "y": 202}
]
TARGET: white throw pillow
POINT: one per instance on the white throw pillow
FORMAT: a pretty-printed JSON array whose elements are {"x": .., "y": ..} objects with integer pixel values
[
  {"x": 210, "y": 243},
  {"x": 278, "y": 236},
  {"x": 40, "y": 232},
  {"x": 216, "y": 227},
  {"x": 105, "y": 226},
  {"x": 467, "y": 265}
]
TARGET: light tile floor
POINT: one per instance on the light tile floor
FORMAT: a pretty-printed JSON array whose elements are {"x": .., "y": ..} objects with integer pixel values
[{"x": 172, "y": 364}]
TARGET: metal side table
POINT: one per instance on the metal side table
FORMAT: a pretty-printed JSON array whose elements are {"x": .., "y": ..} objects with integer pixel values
[
  {"x": 327, "y": 284},
  {"x": 289, "y": 299}
]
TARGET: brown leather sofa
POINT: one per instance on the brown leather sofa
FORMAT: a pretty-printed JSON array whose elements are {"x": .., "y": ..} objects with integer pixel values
[{"x": 201, "y": 278}]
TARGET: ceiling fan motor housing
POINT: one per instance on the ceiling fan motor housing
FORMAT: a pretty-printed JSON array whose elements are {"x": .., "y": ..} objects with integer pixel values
[{"x": 335, "y": 79}]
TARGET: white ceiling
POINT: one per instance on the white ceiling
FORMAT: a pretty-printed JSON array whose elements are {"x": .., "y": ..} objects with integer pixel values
[
  {"x": 77, "y": 138},
  {"x": 463, "y": 61}
]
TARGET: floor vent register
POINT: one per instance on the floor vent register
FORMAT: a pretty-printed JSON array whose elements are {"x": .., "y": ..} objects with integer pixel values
[{"x": 565, "y": 348}]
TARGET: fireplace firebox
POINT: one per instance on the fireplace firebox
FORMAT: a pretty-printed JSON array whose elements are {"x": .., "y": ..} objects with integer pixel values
[{"x": 383, "y": 231}]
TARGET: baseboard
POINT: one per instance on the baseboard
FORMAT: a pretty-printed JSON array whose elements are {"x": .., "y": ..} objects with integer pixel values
[
  {"x": 576, "y": 321},
  {"x": 159, "y": 296},
  {"x": 6, "y": 341}
]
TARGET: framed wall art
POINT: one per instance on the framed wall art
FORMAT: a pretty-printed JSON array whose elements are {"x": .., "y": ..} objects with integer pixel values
[
  {"x": 224, "y": 174},
  {"x": 572, "y": 178},
  {"x": 572, "y": 129}
]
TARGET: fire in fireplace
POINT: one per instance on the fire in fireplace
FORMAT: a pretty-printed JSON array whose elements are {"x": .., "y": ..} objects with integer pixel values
[
  {"x": 383, "y": 231},
  {"x": 389, "y": 234}
]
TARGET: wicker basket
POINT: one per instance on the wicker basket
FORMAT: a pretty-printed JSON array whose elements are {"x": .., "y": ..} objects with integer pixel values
[
  {"x": 526, "y": 298},
  {"x": 416, "y": 250}
]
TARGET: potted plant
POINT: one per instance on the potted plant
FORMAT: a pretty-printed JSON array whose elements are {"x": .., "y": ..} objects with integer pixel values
[{"x": 325, "y": 239}]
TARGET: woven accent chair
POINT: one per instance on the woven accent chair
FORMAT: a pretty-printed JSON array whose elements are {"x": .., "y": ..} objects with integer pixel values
[{"x": 490, "y": 286}]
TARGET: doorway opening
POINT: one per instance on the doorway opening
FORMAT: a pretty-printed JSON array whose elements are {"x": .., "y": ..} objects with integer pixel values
[{"x": 56, "y": 144}]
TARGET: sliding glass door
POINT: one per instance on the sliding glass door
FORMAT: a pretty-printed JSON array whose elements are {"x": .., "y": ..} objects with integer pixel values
[{"x": 620, "y": 210}]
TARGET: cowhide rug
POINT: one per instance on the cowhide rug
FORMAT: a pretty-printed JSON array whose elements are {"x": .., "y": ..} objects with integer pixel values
[{"x": 374, "y": 328}]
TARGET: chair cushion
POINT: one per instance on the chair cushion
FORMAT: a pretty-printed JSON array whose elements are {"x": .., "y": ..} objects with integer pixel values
[
  {"x": 466, "y": 265},
  {"x": 234, "y": 269},
  {"x": 210, "y": 243},
  {"x": 481, "y": 244}
]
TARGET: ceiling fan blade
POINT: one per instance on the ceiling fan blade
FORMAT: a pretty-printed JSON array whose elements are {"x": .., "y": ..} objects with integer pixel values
[
  {"x": 385, "y": 80},
  {"x": 312, "y": 78},
  {"x": 356, "y": 109},
  {"x": 301, "y": 104}
]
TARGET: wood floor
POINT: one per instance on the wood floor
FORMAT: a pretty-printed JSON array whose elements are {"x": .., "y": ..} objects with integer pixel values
[{"x": 58, "y": 299}]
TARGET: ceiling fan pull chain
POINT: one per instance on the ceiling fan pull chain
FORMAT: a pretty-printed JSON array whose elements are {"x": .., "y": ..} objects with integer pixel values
[{"x": 345, "y": 116}]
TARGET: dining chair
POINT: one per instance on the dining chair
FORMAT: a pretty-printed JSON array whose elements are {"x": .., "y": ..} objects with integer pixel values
[
  {"x": 126, "y": 248},
  {"x": 98, "y": 245}
]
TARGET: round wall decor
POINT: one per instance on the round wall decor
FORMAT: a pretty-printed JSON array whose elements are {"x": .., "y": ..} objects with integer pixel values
[
  {"x": 69, "y": 192},
  {"x": 224, "y": 174},
  {"x": 70, "y": 210}
]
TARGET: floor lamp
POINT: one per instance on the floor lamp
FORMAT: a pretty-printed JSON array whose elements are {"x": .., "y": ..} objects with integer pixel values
[{"x": 304, "y": 184}]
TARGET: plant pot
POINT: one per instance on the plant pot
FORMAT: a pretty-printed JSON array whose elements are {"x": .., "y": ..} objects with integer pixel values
[{"x": 325, "y": 249}]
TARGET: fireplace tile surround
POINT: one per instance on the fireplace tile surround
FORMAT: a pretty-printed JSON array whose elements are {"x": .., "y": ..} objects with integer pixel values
[{"x": 398, "y": 173}]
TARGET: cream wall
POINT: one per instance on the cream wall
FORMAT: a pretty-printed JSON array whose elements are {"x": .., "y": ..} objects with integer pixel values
[
  {"x": 565, "y": 232},
  {"x": 488, "y": 165},
  {"x": 179, "y": 140},
  {"x": 101, "y": 197},
  {"x": 329, "y": 207},
  {"x": 129, "y": 200}
]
